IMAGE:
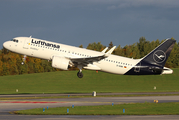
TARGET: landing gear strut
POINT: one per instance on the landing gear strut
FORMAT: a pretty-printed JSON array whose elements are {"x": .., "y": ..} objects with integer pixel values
[{"x": 24, "y": 59}]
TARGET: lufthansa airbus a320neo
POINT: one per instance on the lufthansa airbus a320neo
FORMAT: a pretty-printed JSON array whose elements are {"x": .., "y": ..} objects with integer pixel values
[{"x": 64, "y": 56}]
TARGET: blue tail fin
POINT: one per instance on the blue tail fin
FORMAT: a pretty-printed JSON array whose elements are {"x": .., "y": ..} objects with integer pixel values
[
  {"x": 153, "y": 63},
  {"x": 160, "y": 54}
]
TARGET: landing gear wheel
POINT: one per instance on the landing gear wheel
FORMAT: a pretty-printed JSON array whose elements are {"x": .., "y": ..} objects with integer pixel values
[{"x": 80, "y": 74}]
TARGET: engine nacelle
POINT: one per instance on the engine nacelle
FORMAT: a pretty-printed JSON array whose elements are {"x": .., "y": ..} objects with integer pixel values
[{"x": 60, "y": 62}]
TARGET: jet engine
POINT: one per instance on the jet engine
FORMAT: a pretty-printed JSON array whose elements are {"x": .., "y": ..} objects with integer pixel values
[{"x": 60, "y": 62}]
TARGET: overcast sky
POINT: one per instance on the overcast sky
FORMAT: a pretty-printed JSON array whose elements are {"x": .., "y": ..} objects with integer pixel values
[{"x": 76, "y": 22}]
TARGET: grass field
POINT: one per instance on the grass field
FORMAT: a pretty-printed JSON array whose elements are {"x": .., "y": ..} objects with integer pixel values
[
  {"x": 68, "y": 82},
  {"x": 130, "y": 109}
]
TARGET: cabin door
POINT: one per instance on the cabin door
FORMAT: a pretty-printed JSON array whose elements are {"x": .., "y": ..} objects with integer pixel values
[{"x": 26, "y": 43}]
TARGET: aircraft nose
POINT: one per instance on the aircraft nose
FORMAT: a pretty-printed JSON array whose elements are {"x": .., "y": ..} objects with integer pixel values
[{"x": 6, "y": 45}]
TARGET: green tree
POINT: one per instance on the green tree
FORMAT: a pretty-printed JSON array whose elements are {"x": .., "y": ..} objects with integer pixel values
[
  {"x": 119, "y": 51},
  {"x": 141, "y": 45},
  {"x": 81, "y": 46},
  {"x": 173, "y": 60},
  {"x": 46, "y": 65},
  {"x": 1, "y": 68},
  {"x": 37, "y": 66},
  {"x": 5, "y": 71},
  {"x": 23, "y": 69},
  {"x": 95, "y": 46},
  {"x": 5, "y": 51},
  {"x": 110, "y": 45}
]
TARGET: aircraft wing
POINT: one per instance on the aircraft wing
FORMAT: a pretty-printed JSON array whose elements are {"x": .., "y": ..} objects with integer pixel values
[
  {"x": 85, "y": 61},
  {"x": 89, "y": 60}
]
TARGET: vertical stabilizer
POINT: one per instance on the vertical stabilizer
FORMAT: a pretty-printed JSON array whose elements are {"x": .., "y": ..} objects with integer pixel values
[
  {"x": 153, "y": 63},
  {"x": 160, "y": 54}
]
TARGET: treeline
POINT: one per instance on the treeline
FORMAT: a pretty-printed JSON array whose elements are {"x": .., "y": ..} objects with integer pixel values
[
  {"x": 10, "y": 63},
  {"x": 140, "y": 49}
]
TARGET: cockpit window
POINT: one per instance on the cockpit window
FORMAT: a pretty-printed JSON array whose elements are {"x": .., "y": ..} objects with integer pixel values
[{"x": 14, "y": 40}]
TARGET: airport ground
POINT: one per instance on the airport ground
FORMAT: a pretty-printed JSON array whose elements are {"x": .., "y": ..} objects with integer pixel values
[
  {"x": 22, "y": 104},
  {"x": 133, "y": 89}
]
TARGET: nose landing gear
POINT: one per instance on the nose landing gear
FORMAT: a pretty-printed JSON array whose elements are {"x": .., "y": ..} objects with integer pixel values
[{"x": 24, "y": 59}]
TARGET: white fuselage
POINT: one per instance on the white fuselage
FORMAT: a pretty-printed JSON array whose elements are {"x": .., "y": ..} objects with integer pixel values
[{"x": 46, "y": 50}]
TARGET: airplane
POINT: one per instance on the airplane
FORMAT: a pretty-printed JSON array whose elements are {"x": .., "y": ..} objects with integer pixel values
[{"x": 65, "y": 56}]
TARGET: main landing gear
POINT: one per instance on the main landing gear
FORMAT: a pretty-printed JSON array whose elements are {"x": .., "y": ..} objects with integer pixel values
[{"x": 80, "y": 74}]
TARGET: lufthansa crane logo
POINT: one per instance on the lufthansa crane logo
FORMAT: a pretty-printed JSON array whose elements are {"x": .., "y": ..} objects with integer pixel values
[{"x": 159, "y": 56}]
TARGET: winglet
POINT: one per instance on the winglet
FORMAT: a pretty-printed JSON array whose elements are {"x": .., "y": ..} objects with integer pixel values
[
  {"x": 110, "y": 51},
  {"x": 104, "y": 50}
]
